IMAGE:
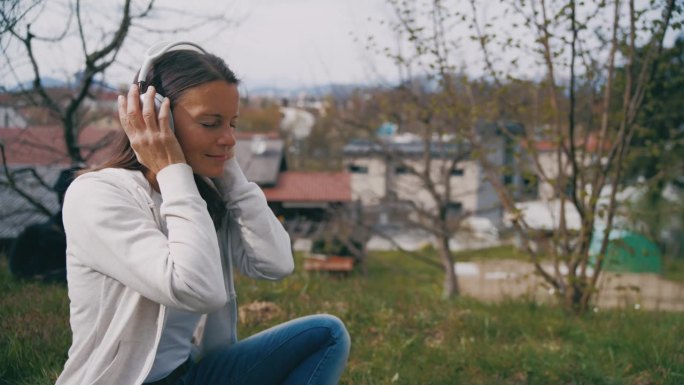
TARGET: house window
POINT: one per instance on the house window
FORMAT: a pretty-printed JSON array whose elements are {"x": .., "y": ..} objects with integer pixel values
[
  {"x": 454, "y": 209},
  {"x": 530, "y": 186},
  {"x": 399, "y": 170},
  {"x": 457, "y": 172},
  {"x": 356, "y": 169}
]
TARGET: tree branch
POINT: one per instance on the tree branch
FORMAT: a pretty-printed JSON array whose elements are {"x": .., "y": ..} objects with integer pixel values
[{"x": 13, "y": 185}]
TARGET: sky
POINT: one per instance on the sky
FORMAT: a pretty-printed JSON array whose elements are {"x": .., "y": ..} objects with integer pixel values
[
  {"x": 279, "y": 43},
  {"x": 268, "y": 43},
  {"x": 303, "y": 41}
]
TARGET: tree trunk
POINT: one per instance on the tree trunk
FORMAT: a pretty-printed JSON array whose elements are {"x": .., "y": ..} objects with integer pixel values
[
  {"x": 450, "y": 288},
  {"x": 71, "y": 140},
  {"x": 574, "y": 298}
]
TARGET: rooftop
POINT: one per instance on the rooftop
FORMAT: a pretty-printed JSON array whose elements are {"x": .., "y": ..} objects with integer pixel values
[{"x": 311, "y": 187}]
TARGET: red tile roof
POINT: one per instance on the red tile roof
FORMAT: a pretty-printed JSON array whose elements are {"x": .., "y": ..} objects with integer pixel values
[
  {"x": 44, "y": 145},
  {"x": 311, "y": 187},
  {"x": 591, "y": 144}
]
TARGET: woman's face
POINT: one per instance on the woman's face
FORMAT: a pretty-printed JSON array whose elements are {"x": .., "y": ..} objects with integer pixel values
[{"x": 205, "y": 118}]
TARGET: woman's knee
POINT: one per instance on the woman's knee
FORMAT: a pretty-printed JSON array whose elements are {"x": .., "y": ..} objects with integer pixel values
[{"x": 338, "y": 331}]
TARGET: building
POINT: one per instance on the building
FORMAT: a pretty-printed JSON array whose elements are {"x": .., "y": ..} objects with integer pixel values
[
  {"x": 304, "y": 201},
  {"x": 383, "y": 181}
]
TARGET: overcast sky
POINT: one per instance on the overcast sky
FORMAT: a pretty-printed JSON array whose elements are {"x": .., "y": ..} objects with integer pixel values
[
  {"x": 304, "y": 41},
  {"x": 275, "y": 42},
  {"x": 279, "y": 43}
]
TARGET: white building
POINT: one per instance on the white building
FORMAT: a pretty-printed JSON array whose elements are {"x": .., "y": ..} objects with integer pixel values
[{"x": 381, "y": 180}]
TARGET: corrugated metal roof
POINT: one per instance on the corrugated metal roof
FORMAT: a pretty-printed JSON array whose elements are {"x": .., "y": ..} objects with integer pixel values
[
  {"x": 260, "y": 158},
  {"x": 41, "y": 148},
  {"x": 311, "y": 187},
  {"x": 16, "y": 212}
]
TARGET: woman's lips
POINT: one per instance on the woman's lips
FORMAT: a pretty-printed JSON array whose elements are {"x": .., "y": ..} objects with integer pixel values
[{"x": 220, "y": 156}]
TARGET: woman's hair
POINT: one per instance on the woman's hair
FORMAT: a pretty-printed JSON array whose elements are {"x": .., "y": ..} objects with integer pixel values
[{"x": 171, "y": 75}]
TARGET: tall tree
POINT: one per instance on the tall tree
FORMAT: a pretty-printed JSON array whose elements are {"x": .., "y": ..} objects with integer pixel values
[
  {"x": 573, "y": 48},
  {"x": 92, "y": 36},
  {"x": 659, "y": 134},
  {"x": 439, "y": 187},
  {"x": 656, "y": 163},
  {"x": 591, "y": 139}
]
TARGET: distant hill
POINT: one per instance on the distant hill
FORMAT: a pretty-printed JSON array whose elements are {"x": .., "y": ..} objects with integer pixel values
[
  {"x": 292, "y": 91},
  {"x": 275, "y": 89},
  {"x": 49, "y": 82}
]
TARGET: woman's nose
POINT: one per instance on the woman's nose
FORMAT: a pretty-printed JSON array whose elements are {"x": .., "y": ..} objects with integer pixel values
[{"x": 227, "y": 137}]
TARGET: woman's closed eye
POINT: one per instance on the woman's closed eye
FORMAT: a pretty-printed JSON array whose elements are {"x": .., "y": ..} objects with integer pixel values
[{"x": 211, "y": 123}]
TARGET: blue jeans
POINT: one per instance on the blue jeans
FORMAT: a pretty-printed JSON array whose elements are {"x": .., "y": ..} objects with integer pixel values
[{"x": 311, "y": 350}]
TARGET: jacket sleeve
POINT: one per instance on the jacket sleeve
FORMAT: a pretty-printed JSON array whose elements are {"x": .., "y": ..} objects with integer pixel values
[
  {"x": 112, "y": 231},
  {"x": 259, "y": 244}
]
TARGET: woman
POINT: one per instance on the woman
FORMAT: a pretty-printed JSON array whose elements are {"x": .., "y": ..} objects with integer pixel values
[{"x": 152, "y": 238}]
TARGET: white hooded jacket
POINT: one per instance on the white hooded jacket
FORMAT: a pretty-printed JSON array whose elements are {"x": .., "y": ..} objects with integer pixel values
[{"x": 127, "y": 262}]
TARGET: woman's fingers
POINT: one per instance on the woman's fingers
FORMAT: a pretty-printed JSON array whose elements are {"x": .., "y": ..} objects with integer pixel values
[
  {"x": 164, "y": 115},
  {"x": 154, "y": 144},
  {"x": 148, "y": 111},
  {"x": 123, "y": 115},
  {"x": 133, "y": 118}
]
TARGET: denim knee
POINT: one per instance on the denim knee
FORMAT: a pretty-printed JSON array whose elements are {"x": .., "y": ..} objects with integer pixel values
[{"x": 338, "y": 331}]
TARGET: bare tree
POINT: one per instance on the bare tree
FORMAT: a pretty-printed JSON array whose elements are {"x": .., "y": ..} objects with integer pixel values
[
  {"x": 98, "y": 35},
  {"x": 592, "y": 132},
  {"x": 588, "y": 52},
  {"x": 437, "y": 185},
  {"x": 13, "y": 12},
  {"x": 423, "y": 185},
  {"x": 584, "y": 49}
]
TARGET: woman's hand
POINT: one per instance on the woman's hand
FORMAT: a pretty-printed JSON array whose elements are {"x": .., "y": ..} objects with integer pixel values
[{"x": 151, "y": 138}]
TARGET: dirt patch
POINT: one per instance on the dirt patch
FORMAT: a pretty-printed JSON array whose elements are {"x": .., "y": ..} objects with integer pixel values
[
  {"x": 258, "y": 312},
  {"x": 497, "y": 280}
]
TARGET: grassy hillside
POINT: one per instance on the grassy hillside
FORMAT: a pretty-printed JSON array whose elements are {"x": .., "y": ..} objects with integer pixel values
[{"x": 402, "y": 333}]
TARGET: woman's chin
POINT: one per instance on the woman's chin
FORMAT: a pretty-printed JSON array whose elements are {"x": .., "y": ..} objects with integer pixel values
[{"x": 213, "y": 172}]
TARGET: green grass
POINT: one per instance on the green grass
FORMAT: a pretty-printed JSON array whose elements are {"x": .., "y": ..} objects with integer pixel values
[
  {"x": 402, "y": 333},
  {"x": 673, "y": 269},
  {"x": 507, "y": 252},
  {"x": 492, "y": 253},
  {"x": 34, "y": 330}
]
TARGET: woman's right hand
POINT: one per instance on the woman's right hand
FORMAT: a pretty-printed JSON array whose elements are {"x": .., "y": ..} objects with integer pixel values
[{"x": 151, "y": 138}]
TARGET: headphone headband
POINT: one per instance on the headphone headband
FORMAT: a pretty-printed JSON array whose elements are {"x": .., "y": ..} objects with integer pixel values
[{"x": 157, "y": 50}]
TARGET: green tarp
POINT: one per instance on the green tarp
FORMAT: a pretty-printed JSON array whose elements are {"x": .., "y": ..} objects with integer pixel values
[{"x": 628, "y": 252}]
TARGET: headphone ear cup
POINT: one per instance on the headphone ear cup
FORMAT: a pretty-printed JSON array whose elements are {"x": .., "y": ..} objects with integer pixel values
[{"x": 158, "y": 99}]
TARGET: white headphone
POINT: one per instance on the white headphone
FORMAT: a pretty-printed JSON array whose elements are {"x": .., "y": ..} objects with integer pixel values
[{"x": 151, "y": 55}]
